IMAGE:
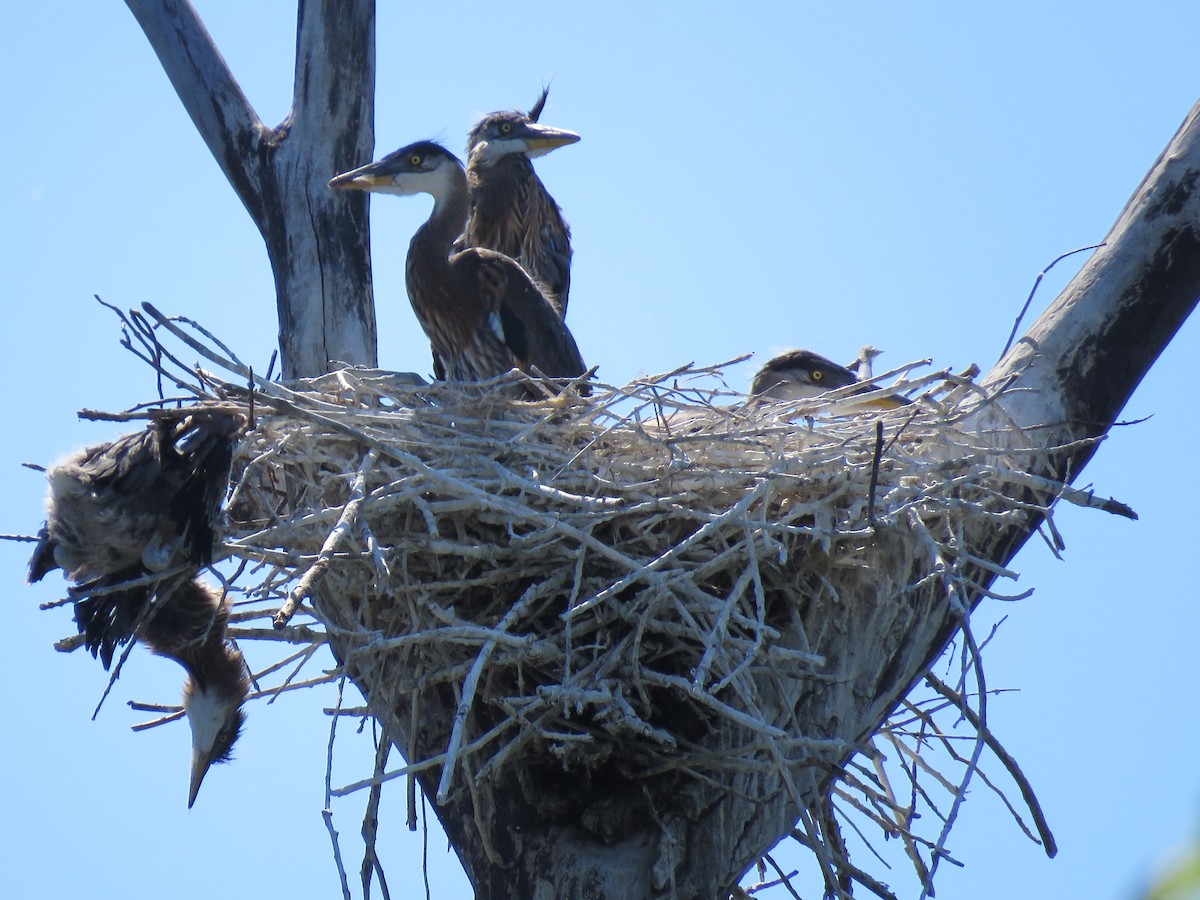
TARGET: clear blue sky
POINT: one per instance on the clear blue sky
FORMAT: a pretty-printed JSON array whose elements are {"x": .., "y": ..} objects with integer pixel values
[{"x": 783, "y": 175}]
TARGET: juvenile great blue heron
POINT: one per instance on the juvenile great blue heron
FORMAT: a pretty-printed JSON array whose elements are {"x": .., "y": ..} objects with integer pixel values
[
  {"x": 802, "y": 374},
  {"x": 511, "y": 211},
  {"x": 140, "y": 505},
  {"x": 482, "y": 312}
]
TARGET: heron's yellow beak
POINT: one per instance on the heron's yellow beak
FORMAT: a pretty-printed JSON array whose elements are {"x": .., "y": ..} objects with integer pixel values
[
  {"x": 887, "y": 401},
  {"x": 538, "y": 139},
  {"x": 357, "y": 181},
  {"x": 546, "y": 144}
]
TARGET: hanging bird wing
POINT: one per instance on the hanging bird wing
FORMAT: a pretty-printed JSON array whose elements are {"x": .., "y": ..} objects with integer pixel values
[
  {"x": 140, "y": 498},
  {"x": 86, "y": 495},
  {"x": 101, "y": 511},
  {"x": 136, "y": 505},
  {"x": 124, "y": 467},
  {"x": 203, "y": 448}
]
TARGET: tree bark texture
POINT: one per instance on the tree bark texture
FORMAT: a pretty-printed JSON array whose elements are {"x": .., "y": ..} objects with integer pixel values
[{"x": 317, "y": 239}]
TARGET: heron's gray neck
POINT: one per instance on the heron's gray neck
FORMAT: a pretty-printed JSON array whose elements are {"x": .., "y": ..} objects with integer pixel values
[{"x": 446, "y": 221}]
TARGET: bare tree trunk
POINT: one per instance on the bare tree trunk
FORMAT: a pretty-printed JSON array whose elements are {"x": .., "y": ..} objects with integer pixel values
[{"x": 317, "y": 239}]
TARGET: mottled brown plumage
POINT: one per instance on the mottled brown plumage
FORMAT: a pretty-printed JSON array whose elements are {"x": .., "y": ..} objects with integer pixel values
[
  {"x": 510, "y": 210},
  {"x": 482, "y": 312},
  {"x": 143, "y": 501},
  {"x": 135, "y": 507}
]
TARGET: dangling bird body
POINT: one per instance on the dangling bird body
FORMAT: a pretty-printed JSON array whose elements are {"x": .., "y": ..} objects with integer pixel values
[
  {"x": 134, "y": 507},
  {"x": 139, "y": 500},
  {"x": 482, "y": 312},
  {"x": 802, "y": 375},
  {"x": 510, "y": 209}
]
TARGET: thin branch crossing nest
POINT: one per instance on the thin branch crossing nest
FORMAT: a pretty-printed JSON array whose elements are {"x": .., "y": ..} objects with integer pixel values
[{"x": 598, "y": 586}]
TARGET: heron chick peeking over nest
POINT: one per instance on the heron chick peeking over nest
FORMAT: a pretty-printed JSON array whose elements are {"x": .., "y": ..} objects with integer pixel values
[
  {"x": 511, "y": 211},
  {"x": 802, "y": 375},
  {"x": 147, "y": 504},
  {"x": 482, "y": 312}
]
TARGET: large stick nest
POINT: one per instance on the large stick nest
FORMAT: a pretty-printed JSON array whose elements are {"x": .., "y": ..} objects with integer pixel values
[
  {"x": 602, "y": 575},
  {"x": 602, "y": 583}
]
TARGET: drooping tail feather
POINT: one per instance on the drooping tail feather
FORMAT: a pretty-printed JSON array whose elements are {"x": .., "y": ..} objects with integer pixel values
[{"x": 108, "y": 620}]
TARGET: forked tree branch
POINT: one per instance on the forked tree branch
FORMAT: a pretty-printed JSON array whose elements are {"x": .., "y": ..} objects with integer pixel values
[
  {"x": 316, "y": 238},
  {"x": 210, "y": 94}
]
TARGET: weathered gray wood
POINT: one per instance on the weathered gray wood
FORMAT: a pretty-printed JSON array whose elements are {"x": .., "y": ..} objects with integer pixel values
[
  {"x": 317, "y": 239},
  {"x": 1084, "y": 356}
]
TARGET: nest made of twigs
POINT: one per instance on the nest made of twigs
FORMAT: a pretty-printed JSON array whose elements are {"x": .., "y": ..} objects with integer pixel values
[
  {"x": 595, "y": 573},
  {"x": 662, "y": 579}
]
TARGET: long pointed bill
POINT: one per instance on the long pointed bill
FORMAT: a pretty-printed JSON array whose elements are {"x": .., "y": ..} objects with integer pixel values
[
  {"x": 200, "y": 763},
  {"x": 360, "y": 179},
  {"x": 882, "y": 401},
  {"x": 889, "y": 402},
  {"x": 541, "y": 139}
]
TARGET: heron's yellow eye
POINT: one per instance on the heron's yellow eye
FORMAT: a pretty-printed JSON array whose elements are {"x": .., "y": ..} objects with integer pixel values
[
  {"x": 505, "y": 127},
  {"x": 816, "y": 374},
  {"x": 415, "y": 159}
]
